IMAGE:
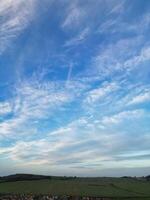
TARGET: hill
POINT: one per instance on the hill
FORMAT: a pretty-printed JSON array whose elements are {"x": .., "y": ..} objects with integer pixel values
[{"x": 23, "y": 177}]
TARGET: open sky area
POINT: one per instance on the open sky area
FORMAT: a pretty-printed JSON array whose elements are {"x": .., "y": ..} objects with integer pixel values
[{"x": 75, "y": 87}]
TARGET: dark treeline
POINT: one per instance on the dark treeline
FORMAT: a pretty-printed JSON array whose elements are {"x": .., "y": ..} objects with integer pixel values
[
  {"x": 28, "y": 177},
  {"x": 24, "y": 177}
]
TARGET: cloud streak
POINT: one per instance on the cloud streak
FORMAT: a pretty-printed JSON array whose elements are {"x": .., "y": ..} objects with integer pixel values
[{"x": 15, "y": 16}]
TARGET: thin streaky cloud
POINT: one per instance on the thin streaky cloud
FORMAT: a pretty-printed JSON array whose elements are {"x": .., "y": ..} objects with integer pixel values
[{"x": 15, "y": 16}]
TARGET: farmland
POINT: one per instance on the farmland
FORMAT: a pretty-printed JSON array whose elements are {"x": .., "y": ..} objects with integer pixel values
[{"x": 93, "y": 187}]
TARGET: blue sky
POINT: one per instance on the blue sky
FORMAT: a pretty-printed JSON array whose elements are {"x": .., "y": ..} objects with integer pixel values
[{"x": 75, "y": 87}]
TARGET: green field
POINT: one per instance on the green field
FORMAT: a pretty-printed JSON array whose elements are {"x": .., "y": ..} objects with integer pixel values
[{"x": 102, "y": 187}]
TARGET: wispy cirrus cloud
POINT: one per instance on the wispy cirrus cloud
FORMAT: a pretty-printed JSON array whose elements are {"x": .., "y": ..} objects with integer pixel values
[
  {"x": 117, "y": 57},
  {"x": 118, "y": 25},
  {"x": 69, "y": 146},
  {"x": 77, "y": 39},
  {"x": 74, "y": 15},
  {"x": 141, "y": 98},
  {"x": 31, "y": 101},
  {"x": 125, "y": 115},
  {"x": 98, "y": 94},
  {"x": 15, "y": 16},
  {"x": 5, "y": 108}
]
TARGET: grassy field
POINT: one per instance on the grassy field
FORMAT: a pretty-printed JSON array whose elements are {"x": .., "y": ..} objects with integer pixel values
[{"x": 103, "y": 187}]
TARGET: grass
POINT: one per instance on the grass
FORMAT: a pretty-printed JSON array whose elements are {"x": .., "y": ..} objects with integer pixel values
[{"x": 103, "y": 187}]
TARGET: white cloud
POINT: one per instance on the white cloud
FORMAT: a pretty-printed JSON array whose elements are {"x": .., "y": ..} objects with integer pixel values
[
  {"x": 119, "y": 25},
  {"x": 61, "y": 131},
  {"x": 15, "y": 16},
  {"x": 74, "y": 16},
  {"x": 100, "y": 93},
  {"x": 5, "y": 108},
  {"x": 122, "y": 56},
  {"x": 77, "y": 39},
  {"x": 32, "y": 102},
  {"x": 120, "y": 117},
  {"x": 38, "y": 99},
  {"x": 143, "y": 56},
  {"x": 141, "y": 98},
  {"x": 111, "y": 58},
  {"x": 118, "y": 8},
  {"x": 80, "y": 143}
]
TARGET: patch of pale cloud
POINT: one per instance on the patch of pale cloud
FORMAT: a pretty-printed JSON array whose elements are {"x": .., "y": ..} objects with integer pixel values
[
  {"x": 124, "y": 54},
  {"x": 15, "y": 16},
  {"x": 74, "y": 16},
  {"x": 117, "y": 8},
  {"x": 120, "y": 57},
  {"x": 5, "y": 108},
  {"x": 36, "y": 99},
  {"x": 68, "y": 148},
  {"x": 119, "y": 25},
  {"x": 99, "y": 94},
  {"x": 143, "y": 56},
  {"x": 132, "y": 95},
  {"x": 32, "y": 102},
  {"x": 81, "y": 144},
  {"x": 77, "y": 39},
  {"x": 125, "y": 115},
  {"x": 141, "y": 98}
]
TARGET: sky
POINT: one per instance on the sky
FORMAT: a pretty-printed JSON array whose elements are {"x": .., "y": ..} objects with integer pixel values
[{"x": 75, "y": 87}]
